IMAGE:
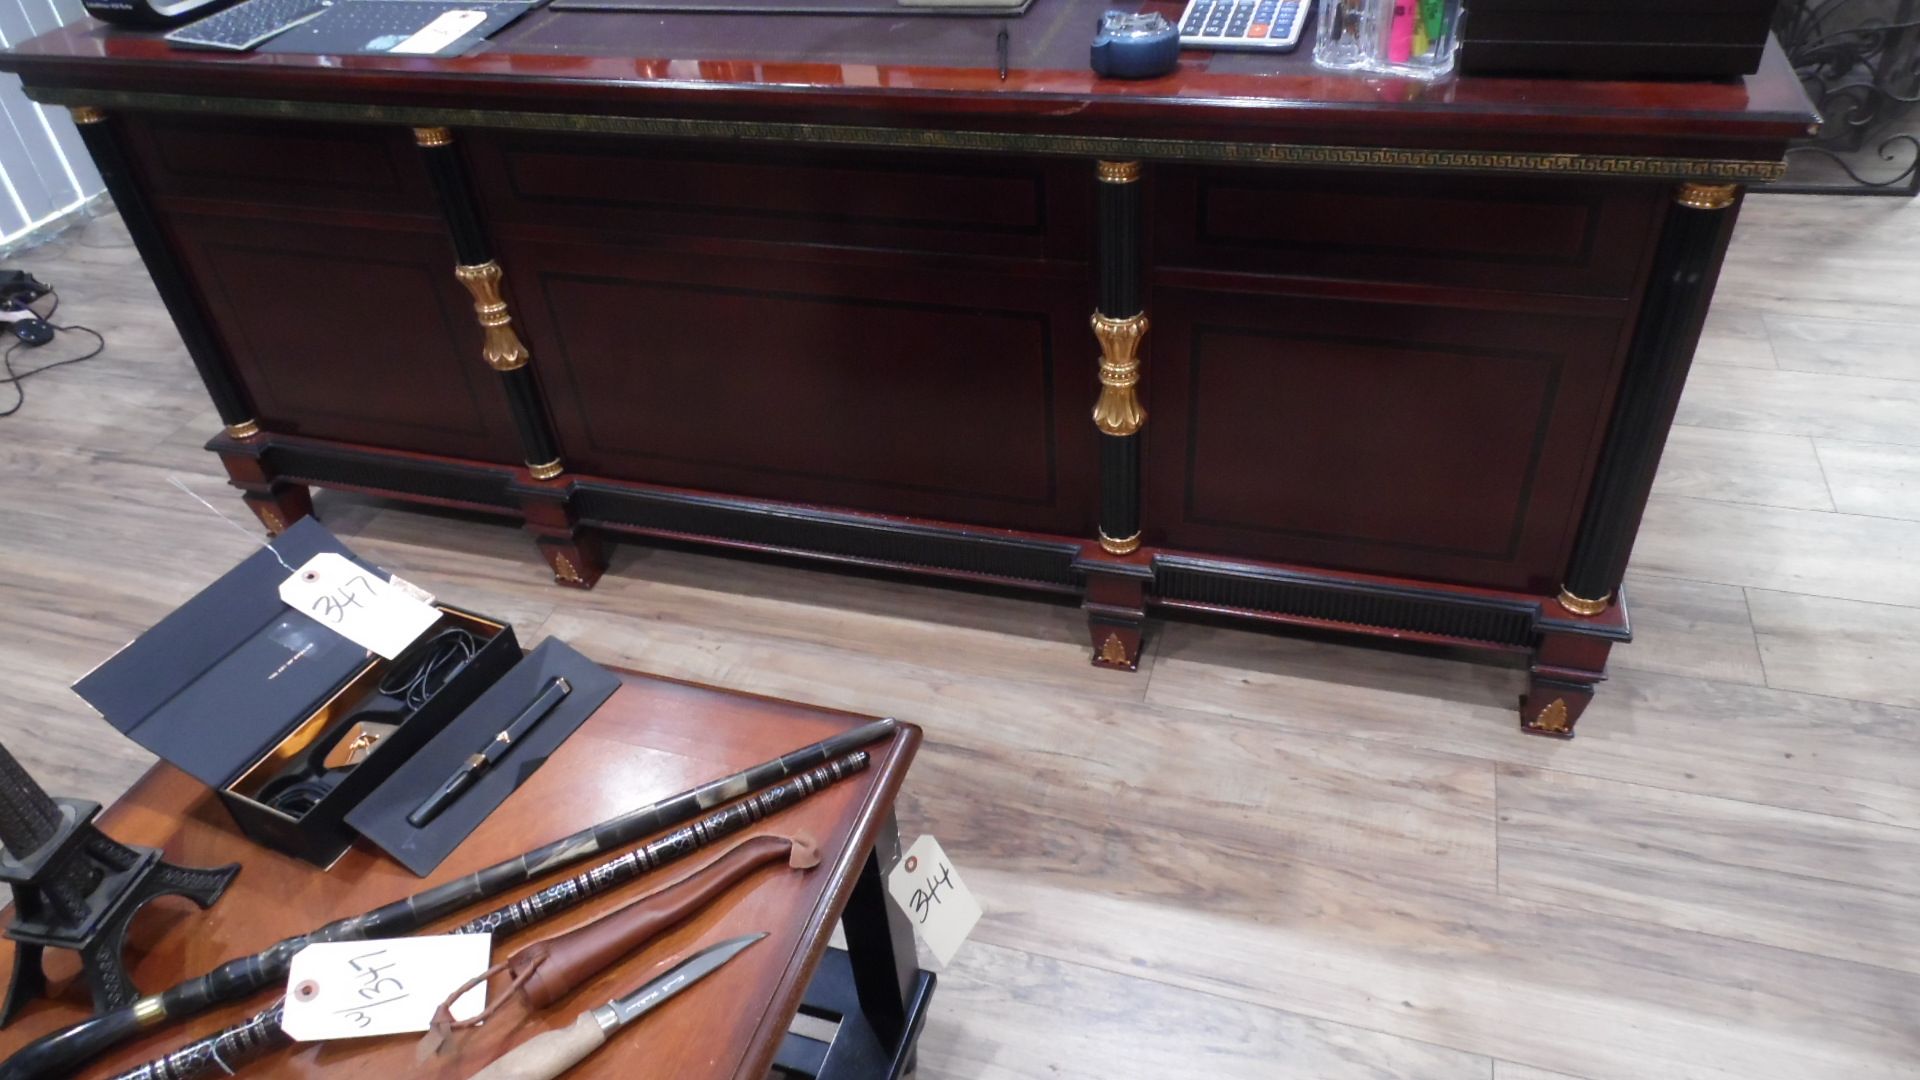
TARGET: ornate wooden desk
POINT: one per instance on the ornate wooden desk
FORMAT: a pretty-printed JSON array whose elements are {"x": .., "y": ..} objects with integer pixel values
[
  {"x": 1364, "y": 354},
  {"x": 652, "y": 738}
]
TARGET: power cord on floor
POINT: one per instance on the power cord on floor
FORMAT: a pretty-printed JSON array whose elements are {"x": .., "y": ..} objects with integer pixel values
[{"x": 17, "y": 379}]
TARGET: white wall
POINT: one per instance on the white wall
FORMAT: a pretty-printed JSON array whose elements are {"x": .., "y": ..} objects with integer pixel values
[{"x": 44, "y": 168}]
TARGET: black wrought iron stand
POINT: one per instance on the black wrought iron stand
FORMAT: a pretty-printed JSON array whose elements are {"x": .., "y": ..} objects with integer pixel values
[{"x": 1860, "y": 62}]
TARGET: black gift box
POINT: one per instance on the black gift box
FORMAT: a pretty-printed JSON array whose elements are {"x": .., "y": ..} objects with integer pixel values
[
  {"x": 234, "y": 686},
  {"x": 1615, "y": 39}
]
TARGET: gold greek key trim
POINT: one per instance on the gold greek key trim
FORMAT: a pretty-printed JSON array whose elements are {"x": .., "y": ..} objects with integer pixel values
[
  {"x": 546, "y": 472},
  {"x": 1113, "y": 650},
  {"x": 1108, "y": 147},
  {"x": 1553, "y": 719},
  {"x": 245, "y": 429},
  {"x": 1580, "y": 605},
  {"x": 433, "y": 136},
  {"x": 149, "y": 1011},
  {"x": 1120, "y": 547},
  {"x": 502, "y": 349},
  {"x": 87, "y": 114},
  {"x": 1706, "y": 196},
  {"x": 563, "y": 570},
  {"x": 1119, "y": 412},
  {"x": 1118, "y": 172}
]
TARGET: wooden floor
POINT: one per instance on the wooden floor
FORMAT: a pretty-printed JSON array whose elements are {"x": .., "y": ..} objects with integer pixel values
[{"x": 1261, "y": 856}]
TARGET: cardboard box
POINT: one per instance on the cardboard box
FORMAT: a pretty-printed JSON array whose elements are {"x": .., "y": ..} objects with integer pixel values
[{"x": 234, "y": 687}]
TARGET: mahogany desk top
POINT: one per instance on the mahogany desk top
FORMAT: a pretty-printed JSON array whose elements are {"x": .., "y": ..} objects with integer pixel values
[
  {"x": 934, "y": 77},
  {"x": 651, "y": 739}
]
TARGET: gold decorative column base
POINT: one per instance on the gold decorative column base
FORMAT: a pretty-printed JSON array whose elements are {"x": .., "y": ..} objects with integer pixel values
[
  {"x": 245, "y": 429},
  {"x": 1120, "y": 547},
  {"x": 1580, "y": 605},
  {"x": 1706, "y": 196},
  {"x": 546, "y": 472}
]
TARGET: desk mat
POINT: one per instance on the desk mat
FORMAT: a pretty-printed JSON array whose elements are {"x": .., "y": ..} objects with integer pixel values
[{"x": 888, "y": 8}]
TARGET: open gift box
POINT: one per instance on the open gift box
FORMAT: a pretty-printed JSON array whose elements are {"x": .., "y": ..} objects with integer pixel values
[{"x": 291, "y": 723}]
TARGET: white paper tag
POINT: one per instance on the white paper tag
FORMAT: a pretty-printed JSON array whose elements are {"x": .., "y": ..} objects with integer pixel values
[
  {"x": 929, "y": 890},
  {"x": 350, "y": 989},
  {"x": 441, "y": 32},
  {"x": 355, "y": 602}
]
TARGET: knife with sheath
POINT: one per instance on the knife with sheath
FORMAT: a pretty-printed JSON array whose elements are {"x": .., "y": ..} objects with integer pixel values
[{"x": 546, "y": 1056}]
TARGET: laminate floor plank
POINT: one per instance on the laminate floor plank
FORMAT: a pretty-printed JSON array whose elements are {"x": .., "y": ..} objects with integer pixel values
[
  {"x": 1870, "y": 652},
  {"x": 1802, "y": 403},
  {"x": 1106, "y": 1025},
  {"x": 1744, "y": 467},
  {"x": 1735, "y": 335},
  {"x": 1685, "y": 627},
  {"x": 1844, "y": 346},
  {"x": 1820, "y": 754},
  {"x": 1507, "y": 1070},
  {"x": 1810, "y": 882},
  {"x": 1765, "y": 547},
  {"x": 1874, "y": 479}
]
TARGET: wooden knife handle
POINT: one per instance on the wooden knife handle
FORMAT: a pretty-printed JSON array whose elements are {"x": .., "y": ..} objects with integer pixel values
[{"x": 547, "y": 1055}]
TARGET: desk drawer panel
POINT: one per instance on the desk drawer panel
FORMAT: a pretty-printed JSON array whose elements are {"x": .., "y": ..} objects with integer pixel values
[
  {"x": 1520, "y": 234},
  {"x": 937, "y": 394},
  {"x": 933, "y": 203},
  {"x": 281, "y": 163},
  {"x": 1420, "y": 441}
]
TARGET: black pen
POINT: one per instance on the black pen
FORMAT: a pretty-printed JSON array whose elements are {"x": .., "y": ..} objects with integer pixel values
[
  {"x": 1000, "y": 50},
  {"x": 552, "y": 694}
]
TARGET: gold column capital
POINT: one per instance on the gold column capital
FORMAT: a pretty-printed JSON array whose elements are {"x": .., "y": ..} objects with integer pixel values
[
  {"x": 1117, "y": 172},
  {"x": 433, "y": 136},
  {"x": 1119, "y": 412},
  {"x": 503, "y": 349},
  {"x": 245, "y": 429},
  {"x": 1580, "y": 605},
  {"x": 86, "y": 114},
  {"x": 1706, "y": 196}
]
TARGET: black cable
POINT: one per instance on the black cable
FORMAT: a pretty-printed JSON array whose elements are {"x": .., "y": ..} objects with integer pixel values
[
  {"x": 439, "y": 659},
  {"x": 16, "y": 379}
]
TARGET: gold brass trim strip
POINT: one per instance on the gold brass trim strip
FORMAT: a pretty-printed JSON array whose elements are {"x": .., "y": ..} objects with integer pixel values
[
  {"x": 1119, "y": 412},
  {"x": 502, "y": 349},
  {"x": 1109, "y": 147},
  {"x": 87, "y": 114},
  {"x": 1117, "y": 172},
  {"x": 1580, "y": 605},
  {"x": 546, "y": 472},
  {"x": 245, "y": 429},
  {"x": 1120, "y": 547},
  {"x": 1706, "y": 196},
  {"x": 433, "y": 136}
]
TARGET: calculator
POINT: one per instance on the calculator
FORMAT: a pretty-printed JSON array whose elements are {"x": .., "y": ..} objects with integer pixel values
[{"x": 1273, "y": 25}]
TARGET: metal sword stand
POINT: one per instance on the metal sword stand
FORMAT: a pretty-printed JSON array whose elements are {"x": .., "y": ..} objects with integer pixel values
[{"x": 75, "y": 888}]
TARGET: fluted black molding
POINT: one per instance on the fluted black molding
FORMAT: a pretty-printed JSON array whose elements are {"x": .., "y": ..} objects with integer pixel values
[
  {"x": 1657, "y": 365},
  {"x": 1119, "y": 487},
  {"x": 1119, "y": 220},
  {"x": 203, "y": 348},
  {"x": 530, "y": 415},
  {"x": 457, "y": 204}
]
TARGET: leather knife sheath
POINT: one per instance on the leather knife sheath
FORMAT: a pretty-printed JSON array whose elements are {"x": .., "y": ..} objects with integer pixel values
[{"x": 550, "y": 970}]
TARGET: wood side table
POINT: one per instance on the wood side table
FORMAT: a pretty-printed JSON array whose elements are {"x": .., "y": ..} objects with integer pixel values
[{"x": 654, "y": 737}]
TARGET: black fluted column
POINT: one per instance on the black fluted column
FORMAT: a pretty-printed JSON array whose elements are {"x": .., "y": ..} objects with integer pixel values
[
  {"x": 481, "y": 275},
  {"x": 1696, "y": 232},
  {"x": 1119, "y": 324},
  {"x": 203, "y": 348}
]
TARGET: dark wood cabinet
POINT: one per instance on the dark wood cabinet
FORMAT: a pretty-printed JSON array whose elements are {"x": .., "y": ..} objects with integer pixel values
[{"x": 1251, "y": 339}]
